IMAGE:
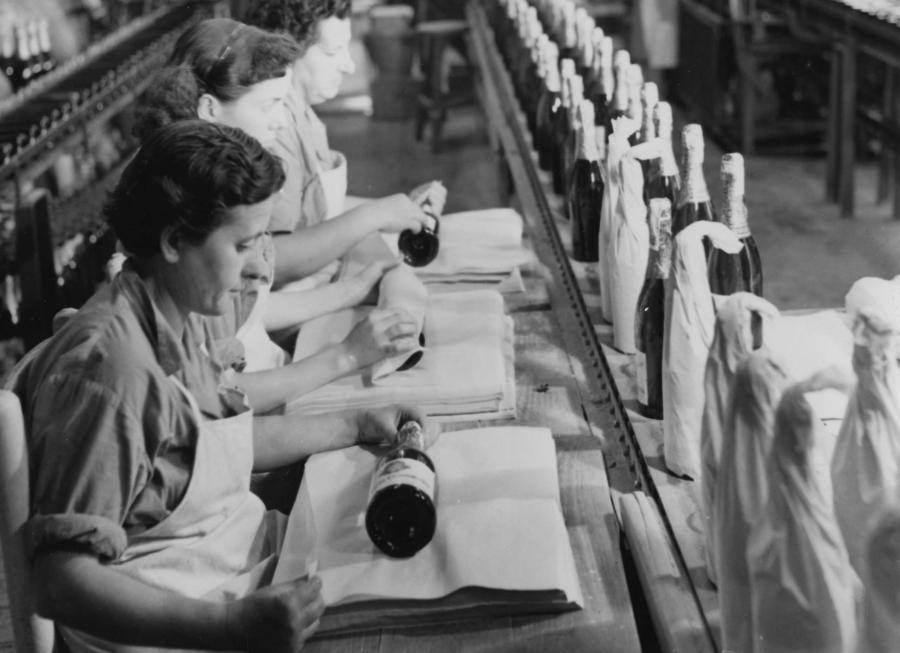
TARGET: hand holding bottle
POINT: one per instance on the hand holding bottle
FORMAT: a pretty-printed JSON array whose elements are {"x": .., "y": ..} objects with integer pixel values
[
  {"x": 278, "y": 617},
  {"x": 381, "y": 333},
  {"x": 380, "y": 426},
  {"x": 397, "y": 212},
  {"x": 433, "y": 192}
]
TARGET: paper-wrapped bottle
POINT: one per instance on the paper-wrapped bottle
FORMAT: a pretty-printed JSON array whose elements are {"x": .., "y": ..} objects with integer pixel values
[
  {"x": 741, "y": 488},
  {"x": 690, "y": 318},
  {"x": 804, "y": 591},
  {"x": 877, "y": 293},
  {"x": 618, "y": 146},
  {"x": 879, "y": 630},
  {"x": 732, "y": 341},
  {"x": 628, "y": 253},
  {"x": 866, "y": 460}
]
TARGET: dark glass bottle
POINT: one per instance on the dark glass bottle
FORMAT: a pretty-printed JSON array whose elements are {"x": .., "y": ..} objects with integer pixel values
[
  {"x": 585, "y": 196},
  {"x": 600, "y": 87},
  {"x": 568, "y": 35},
  {"x": 400, "y": 516},
  {"x": 619, "y": 104},
  {"x": 649, "y": 323},
  {"x": 47, "y": 61},
  {"x": 22, "y": 75},
  {"x": 576, "y": 95},
  {"x": 647, "y": 131},
  {"x": 420, "y": 248},
  {"x": 635, "y": 109},
  {"x": 693, "y": 200},
  {"x": 731, "y": 273},
  {"x": 584, "y": 27},
  {"x": 548, "y": 108},
  {"x": 663, "y": 180},
  {"x": 34, "y": 46},
  {"x": 562, "y": 126}
]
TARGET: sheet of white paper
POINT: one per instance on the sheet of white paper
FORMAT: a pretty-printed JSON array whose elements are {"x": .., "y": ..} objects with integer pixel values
[{"x": 500, "y": 483}]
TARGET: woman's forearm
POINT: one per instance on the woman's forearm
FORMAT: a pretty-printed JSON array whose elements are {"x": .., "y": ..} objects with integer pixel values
[
  {"x": 289, "y": 308},
  {"x": 79, "y": 592},
  {"x": 271, "y": 389},
  {"x": 280, "y": 440}
]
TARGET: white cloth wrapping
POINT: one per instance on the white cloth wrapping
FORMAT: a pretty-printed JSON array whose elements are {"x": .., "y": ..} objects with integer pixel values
[
  {"x": 408, "y": 293},
  {"x": 804, "y": 591},
  {"x": 741, "y": 488},
  {"x": 866, "y": 461},
  {"x": 879, "y": 629},
  {"x": 628, "y": 253},
  {"x": 484, "y": 245},
  {"x": 466, "y": 368},
  {"x": 623, "y": 128},
  {"x": 875, "y": 293},
  {"x": 689, "y": 321},
  {"x": 732, "y": 341},
  {"x": 499, "y": 482}
]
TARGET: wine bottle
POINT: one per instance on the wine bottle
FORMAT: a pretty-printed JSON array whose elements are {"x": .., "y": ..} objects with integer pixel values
[
  {"x": 586, "y": 189},
  {"x": 8, "y": 55},
  {"x": 635, "y": 107},
  {"x": 731, "y": 273},
  {"x": 647, "y": 131},
  {"x": 601, "y": 84},
  {"x": 568, "y": 38},
  {"x": 693, "y": 200},
  {"x": 36, "y": 61},
  {"x": 584, "y": 27},
  {"x": 535, "y": 83},
  {"x": 420, "y": 248},
  {"x": 621, "y": 64},
  {"x": 562, "y": 126},
  {"x": 47, "y": 61},
  {"x": 663, "y": 178},
  {"x": 649, "y": 323},
  {"x": 23, "y": 59},
  {"x": 400, "y": 515},
  {"x": 548, "y": 108},
  {"x": 576, "y": 95}
]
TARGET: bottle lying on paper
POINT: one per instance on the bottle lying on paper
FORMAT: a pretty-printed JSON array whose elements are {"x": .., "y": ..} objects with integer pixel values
[{"x": 400, "y": 517}]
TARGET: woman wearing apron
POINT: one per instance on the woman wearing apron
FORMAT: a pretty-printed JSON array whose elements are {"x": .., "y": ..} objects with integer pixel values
[
  {"x": 223, "y": 71},
  {"x": 143, "y": 532}
]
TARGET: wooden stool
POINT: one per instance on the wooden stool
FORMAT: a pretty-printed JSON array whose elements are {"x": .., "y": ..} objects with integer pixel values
[{"x": 436, "y": 96}]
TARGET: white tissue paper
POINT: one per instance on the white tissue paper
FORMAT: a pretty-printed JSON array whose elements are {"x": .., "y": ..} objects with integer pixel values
[
  {"x": 804, "y": 591},
  {"x": 872, "y": 292},
  {"x": 866, "y": 460},
  {"x": 628, "y": 253},
  {"x": 623, "y": 128},
  {"x": 741, "y": 488},
  {"x": 732, "y": 341},
  {"x": 408, "y": 293},
  {"x": 690, "y": 318}
]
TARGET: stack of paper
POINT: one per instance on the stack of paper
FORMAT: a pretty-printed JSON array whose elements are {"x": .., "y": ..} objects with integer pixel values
[
  {"x": 477, "y": 246},
  {"x": 500, "y": 547},
  {"x": 467, "y": 367}
]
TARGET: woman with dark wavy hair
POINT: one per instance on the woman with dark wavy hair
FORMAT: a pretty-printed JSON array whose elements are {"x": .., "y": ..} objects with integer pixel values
[{"x": 143, "y": 531}]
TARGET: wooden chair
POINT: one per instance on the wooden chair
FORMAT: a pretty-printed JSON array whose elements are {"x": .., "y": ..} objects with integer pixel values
[
  {"x": 764, "y": 36},
  {"x": 32, "y": 633}
]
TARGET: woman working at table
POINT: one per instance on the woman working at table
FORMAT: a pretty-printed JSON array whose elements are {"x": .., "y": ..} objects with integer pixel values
[
  {"x": 223, "y": 71},
  {"x": 143, "y": 531}
]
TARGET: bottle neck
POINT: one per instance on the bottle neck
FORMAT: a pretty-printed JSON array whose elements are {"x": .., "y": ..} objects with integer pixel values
[
  {"x": 668, "y": 167},
  {"x": 734, "y": 212},
  {"x": 411, "y": 435},
  {"x": 585, "y": 142},
  {"x": 694, "y": 188}
]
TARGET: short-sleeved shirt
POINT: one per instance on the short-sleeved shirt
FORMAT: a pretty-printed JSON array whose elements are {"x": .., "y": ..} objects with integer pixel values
[
  {"x": 111, "y": 437},
  {"x": 303, "y": 149}
]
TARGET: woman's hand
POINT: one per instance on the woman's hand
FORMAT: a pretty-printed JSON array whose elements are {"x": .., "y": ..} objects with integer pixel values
[
  {"x": 360, "y": 286},
  {"x": 433, "y": 192},
  {"x": 382, "y": 333},
  {"x": 278, "y": 617},
  {"x": 380, "y": 426},
  {"x": 397, "y": 212}
]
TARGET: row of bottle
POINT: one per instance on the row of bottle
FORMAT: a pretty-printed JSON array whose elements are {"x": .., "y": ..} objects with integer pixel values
[
  {"x": 613, "y": 173},
  {"x": 25, "y": 52}
]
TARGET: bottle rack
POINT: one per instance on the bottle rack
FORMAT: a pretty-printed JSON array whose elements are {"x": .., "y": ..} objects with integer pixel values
[{"x": 59, "y": 245}]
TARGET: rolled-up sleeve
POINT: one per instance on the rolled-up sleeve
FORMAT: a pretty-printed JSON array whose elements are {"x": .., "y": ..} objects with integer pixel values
[{"x": 89, "y": 463}]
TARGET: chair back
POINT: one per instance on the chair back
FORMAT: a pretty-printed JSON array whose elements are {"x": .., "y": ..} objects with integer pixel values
[{"x": 32, "y": 633}]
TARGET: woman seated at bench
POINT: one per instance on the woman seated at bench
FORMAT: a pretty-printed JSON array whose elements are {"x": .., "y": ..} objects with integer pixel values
[{"x": 143, "y": 531}]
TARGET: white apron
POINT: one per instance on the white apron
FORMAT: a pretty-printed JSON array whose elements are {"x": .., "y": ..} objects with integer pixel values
[
  {"x": 334, "y": 186},
  {"x": 219, "y": 543}
]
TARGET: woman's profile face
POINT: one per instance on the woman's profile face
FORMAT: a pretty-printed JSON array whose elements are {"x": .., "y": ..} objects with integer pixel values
[
  {"x": 319, "y": 72},
  {"x": 260, "y": 111},
  {"x": 212, "y": 271}
]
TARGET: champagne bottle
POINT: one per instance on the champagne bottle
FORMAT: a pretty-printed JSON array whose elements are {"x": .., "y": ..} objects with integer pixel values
[
  {"x": 8, "y": 55},
  {"x": 535, "y": 83},
  {"x": 568, "y": 38},
  {"x": 400, "y": 516},
  {"x": 576, "y": 95},
  {"x": 548, "y": 108},
  {"x": 647, "y": 131},
  {"x": 586, "y": 189},
  {"x": 731, "y": 273},
  {"x": 22, "y": 76},
  {"x": 635, "y": 107},
  {"x": 693, "y": 201},
  {"x": 420, "y": 248},
  {"x": 649, "y": 323},
  {"x": 663, "y": 179},
  {"x": 584, "y": 27},
  {"x": 621, "y": 64},
  {"x": 34, "y": 46},
  {"x": 47, "y": 61},
  {"x": 600, "y": 88},
  {"x": 562, "y": 126}
]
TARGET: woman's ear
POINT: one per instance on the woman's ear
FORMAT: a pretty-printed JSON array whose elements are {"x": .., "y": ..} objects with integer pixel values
[
  {"x": 170, "y": 242},
  {"x": 208, "y": 108}
]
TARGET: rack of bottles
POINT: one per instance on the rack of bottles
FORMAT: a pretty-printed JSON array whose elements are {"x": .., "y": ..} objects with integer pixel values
[{"x": 64, "y": 138}]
